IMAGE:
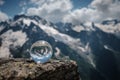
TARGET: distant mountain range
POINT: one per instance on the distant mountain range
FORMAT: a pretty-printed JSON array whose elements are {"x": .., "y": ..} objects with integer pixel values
[{"x": 94, "y": 46}]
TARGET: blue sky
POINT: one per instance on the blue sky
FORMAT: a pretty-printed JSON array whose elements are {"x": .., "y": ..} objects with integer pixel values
[
  {"x": 74, "y": 11},
  {"x": 13, "y": 7},
  {"x": 81, "y": 3}
]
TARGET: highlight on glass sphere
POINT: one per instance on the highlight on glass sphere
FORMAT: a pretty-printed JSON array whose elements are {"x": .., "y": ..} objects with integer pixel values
[{"x": 41, "y": 51}]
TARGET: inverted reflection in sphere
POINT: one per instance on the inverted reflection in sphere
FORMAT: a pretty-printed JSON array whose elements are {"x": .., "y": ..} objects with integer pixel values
[{"x": 41, "y": 51}]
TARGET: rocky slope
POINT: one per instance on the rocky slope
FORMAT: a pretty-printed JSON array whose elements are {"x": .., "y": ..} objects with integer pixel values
[{"x": 25, "y": 69}]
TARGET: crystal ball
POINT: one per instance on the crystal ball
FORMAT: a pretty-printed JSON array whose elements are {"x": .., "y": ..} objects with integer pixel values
[{"x": 41, "y": 51}]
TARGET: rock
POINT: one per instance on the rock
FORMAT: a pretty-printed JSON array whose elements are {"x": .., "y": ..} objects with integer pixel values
[{"x": 26, "y": 69}]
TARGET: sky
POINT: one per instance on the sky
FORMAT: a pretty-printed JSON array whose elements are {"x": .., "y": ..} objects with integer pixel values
[{"x": 74, "y": 11}]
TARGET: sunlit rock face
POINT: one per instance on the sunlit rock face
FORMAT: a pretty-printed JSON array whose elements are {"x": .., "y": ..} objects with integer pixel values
[
  {"x": 41, "y": 51},
  {"x": 25, "y": 69}
]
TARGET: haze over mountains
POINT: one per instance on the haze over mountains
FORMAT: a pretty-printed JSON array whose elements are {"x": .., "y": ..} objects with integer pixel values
[{"x": 95, "y": 46}]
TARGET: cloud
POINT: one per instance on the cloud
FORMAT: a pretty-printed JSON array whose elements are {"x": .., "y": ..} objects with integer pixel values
[
  {"x": 97, "y": 11},
  {"x": 38, "y": 2},
  {"x": 113, "y": 29},
  {"x": 9, "y": 38},
  {"x": 52, "y": 10},
  {"x": 81, "y": 15},
  {"x": 3, "y": 16},
  {"x": 1, "y": 2},
  {"x": 23, "y": 5},
  {"x": 62, "y": 10},
  {"x": 109, "y": 9}
]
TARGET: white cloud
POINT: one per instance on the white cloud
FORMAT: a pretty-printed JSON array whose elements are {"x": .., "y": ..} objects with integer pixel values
[
  {"x": 52, "y": 10},
  {"x": 62, "y": 10},
  {"x": 81, "y": 15},
  {"x": 23, "y": 5},
  {"x": 9, "y": 38},
  {"x": 1, "y": 2},
  {"x": 38, "y": 2},
  {"x": 113, "y": 29},
  {"x": 109, "y": 9},
  {"x": 3, "y": 16},
  {"x": 97, "y": 11}
]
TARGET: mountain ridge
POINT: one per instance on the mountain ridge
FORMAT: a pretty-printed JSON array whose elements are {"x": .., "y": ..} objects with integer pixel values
[{"x": 85, "y": 43}]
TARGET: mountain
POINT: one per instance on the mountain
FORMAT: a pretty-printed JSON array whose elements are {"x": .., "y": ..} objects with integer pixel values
[
  {"x": 95, "y": 47},
  {"x": 102, "y": 42},
  {"x": 113, "y": 22}
]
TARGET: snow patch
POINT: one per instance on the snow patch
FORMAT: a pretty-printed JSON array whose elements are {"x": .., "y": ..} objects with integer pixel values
[
  {"x": 27, "y": 22},
  {"x": 78, "y": 28},
  {"x": 1, "y": 28}
]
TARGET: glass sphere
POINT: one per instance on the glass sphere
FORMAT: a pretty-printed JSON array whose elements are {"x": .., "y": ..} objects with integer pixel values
[{"x": 41, "y": 51}]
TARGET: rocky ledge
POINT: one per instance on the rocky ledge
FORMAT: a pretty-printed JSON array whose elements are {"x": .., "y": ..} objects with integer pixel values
[{"x": 25, "y": 69}]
